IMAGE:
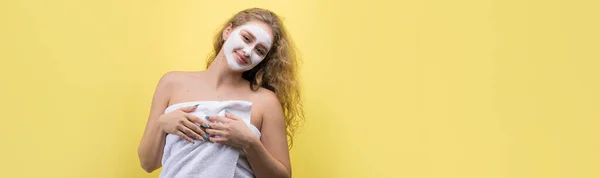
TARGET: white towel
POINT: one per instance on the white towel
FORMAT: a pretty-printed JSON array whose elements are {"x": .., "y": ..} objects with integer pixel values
[{"x": 182, "y": 159}]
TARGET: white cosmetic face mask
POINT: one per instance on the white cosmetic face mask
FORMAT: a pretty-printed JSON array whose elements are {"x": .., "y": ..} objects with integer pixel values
[{"x": 236, "y": 42}]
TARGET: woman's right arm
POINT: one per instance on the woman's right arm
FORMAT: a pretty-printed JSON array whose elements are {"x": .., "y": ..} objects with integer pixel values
[
  {"x": 179, "y": 122},
  {"x": 152, "y": 143}
]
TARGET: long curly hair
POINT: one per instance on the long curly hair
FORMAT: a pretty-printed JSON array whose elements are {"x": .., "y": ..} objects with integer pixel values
[{"x": 277, "y": 72}]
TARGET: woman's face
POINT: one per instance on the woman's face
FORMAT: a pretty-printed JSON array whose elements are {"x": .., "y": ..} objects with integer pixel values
[{"x": 247, "y": 45}]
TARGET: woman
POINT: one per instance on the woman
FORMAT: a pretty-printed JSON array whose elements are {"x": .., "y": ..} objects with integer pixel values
[{"x": 234, "y": 118}]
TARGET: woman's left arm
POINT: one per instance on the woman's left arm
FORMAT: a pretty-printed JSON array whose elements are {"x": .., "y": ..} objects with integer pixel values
[{"x": 269, "y": 155}]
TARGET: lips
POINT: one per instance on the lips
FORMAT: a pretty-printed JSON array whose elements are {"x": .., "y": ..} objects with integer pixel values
[{"x": 241, "y": 59}]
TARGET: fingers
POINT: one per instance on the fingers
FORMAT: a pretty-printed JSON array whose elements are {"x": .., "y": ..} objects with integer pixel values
[
  {"x": 214, "y": 132},
  {"x": 197, "y": 131},
  {"x": 189, "y": 132},
  {"x": 189, "y": 108},
  {"x": 218, "y": 126},
  {"x": 218, "y": 119},
  {"x": 185, "y": 137},
  {"x": 231, "y": 116},
  {"x": 195, "y": 119},
  {"x": 221, "y": 140}
]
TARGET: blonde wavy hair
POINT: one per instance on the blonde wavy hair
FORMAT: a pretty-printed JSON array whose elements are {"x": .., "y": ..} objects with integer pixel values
[{"x": 277, "y": 72}]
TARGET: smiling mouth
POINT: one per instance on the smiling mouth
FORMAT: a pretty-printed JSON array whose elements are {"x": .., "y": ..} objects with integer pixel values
[{"x": 241, "y": 59}]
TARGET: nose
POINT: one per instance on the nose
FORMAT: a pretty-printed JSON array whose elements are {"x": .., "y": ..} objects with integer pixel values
[{"x": 247, "y": 51}]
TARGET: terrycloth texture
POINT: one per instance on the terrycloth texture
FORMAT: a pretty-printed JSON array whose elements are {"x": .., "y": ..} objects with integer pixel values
[{"x": 182, "y": 159}]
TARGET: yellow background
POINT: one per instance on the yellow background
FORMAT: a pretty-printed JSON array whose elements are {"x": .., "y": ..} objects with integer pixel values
[{"x": 434, "y": 88}]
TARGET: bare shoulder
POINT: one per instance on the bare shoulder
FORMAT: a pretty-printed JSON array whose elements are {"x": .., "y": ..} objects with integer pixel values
[
  {"x": 268, "y": 107},
  {"x": 266, "y": 98},
  {"x": 172, "y": 80},
  {"x": 174, "y": 77},
  {"x": 178, "y": 75}
]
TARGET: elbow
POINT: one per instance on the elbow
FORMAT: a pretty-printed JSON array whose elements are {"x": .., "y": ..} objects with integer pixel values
[
  {"x": 149, "y": 168},
  {"x": 148, "y": 165},
  {"x": 288, "y": 172},
  {"x": 276, "y": 174},
  {"x": 285, "y": 174}
]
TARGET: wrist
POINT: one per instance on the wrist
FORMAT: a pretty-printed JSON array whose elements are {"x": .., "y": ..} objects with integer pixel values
[
  {"x": 157, "y": 125},
  {"x": 253, "y": 142}
]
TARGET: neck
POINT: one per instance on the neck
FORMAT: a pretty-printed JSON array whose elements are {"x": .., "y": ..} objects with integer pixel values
[{"x": 220, "y": 74}]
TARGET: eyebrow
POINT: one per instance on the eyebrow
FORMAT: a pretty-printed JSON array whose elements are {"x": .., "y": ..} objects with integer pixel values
[
  {"x": 250, "y": 34},
  {"x": 264, "y": 46}
]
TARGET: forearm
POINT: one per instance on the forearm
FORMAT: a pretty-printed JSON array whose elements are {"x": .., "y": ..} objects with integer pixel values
[
  {"x": 151, "y": 147},
  {"x": 263, "y": 163}
]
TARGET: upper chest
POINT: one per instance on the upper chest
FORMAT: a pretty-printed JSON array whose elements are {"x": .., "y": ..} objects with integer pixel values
[{"x": 193, "y": 90}]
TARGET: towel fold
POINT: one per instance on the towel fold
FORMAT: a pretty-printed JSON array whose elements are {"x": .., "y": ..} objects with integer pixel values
[{"x": 182, "y": 159}]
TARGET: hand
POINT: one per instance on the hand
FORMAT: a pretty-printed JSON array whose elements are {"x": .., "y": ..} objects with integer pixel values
[
  {"x": 180, "y": 122},
  {"x": 230, "y": 130}
]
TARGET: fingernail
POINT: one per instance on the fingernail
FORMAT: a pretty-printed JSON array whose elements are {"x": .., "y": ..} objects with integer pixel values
[
  {"x": 205, "y": 137},
  {"x": 196, "y": 105},
  {"x": 206, "y": 117},
  {"x": 206, "y": 125}
]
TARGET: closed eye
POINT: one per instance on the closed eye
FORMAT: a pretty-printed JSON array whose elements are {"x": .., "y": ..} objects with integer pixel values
[
  {"x": 246, "y": 39},
  {"x": 261, "y": 50}
]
